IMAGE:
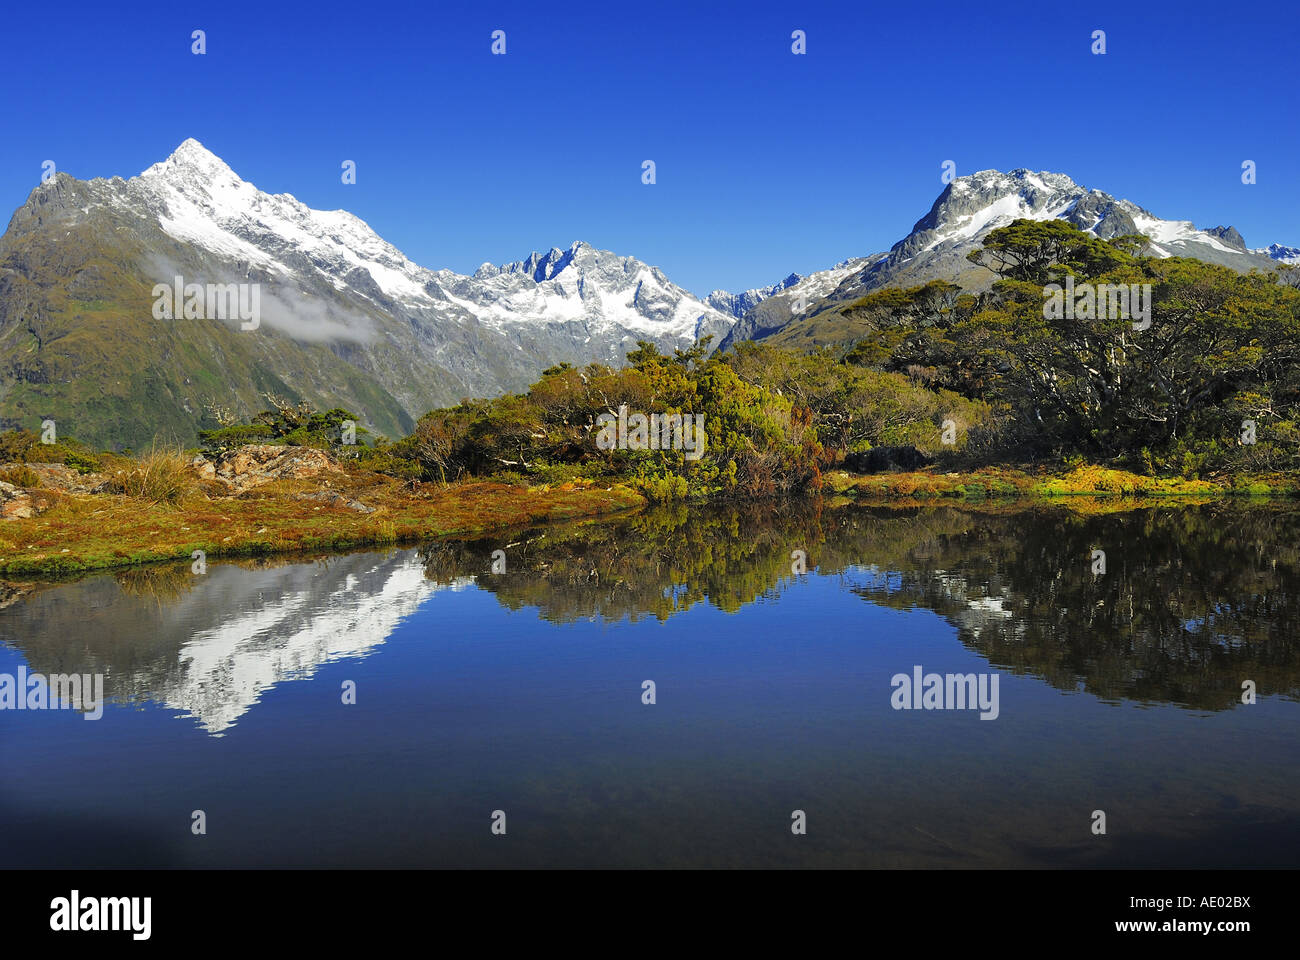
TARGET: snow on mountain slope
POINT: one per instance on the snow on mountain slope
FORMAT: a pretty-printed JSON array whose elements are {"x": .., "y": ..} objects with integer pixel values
[
  {"x": 812, "y": 287},
  {"x": 1276, "y": 251},
  {"x": 970, "y": 207},
  {"x": 200, "y": 200},
  {"x": 763, "y": 311},
  {"x": 1175, "y": 238},
  {"x": 346, "y": 318},
  {"x": 602, "y": 289}
]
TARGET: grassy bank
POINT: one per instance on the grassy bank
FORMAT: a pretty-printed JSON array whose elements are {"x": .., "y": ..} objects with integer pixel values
[
  {"x": 1083, "y": 481},
  {"x": 83, "y": 532},
  {"x": 89, "y": 532}
]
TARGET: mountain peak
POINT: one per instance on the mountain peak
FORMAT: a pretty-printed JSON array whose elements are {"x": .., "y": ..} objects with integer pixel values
[
  {"x": 1018, "y": 175},
  {"x": 1281, "y": 253},
  {"x": 1230, "y": 236},
  {"x": 191, "y": 159},
  {"x": 192, "y": 148},
  {"x": 546, "y": 266}
]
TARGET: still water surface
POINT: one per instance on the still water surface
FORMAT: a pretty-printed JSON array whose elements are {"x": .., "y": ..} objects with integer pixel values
[{"x": 522, "y": 692}]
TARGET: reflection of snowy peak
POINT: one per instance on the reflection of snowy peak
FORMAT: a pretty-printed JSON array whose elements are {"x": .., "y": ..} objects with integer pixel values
[
  {"x": 226, "y": 669},
  {"x": 948, "y": 594},
  {"x": 211, "y": 646}
]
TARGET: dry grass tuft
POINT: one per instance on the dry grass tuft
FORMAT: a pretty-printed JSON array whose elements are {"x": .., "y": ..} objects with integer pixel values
[{"x": 161, "y": 475}]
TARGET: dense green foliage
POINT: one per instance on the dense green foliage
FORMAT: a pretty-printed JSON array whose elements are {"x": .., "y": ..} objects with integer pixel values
[
  {"x": 24, "y": 446},
  {"x": 773, "y": 420},
  {"x": 288, "y": 423},
  {"x": 301, "y": 424},
  {"x": 758, "y": 442},
  {"x": 1221, "y": 349}
]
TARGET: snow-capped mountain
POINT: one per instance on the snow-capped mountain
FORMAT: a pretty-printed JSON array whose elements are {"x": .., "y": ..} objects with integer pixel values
[
  {"x": 813, "y": 286},
  {"x": 770, "y": 308},
  {"x": 1275, "y": 251},
  {"x": 610, "y": 295},
  {"x": 346, "y": 318},
  {"x": 200, "y": 200},
  {"x": 738, "y": 304},
  {"x": 970, "y": 207}
]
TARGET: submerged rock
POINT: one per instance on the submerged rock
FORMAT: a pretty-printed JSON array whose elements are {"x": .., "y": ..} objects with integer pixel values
[{"x": 882, "y": 459}]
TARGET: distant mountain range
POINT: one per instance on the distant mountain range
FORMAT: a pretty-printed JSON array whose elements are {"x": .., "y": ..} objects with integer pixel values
[
  {"x": 970, "y": 207},
  {"x": 1276, "y": 251},
  {"x": 347, "y": 320}
]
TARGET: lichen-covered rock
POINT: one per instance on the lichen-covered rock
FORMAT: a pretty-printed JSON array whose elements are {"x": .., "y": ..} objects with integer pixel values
[
  {"x": 58, "y": 476},
  {"x": 203, "y": 468},
  {"x": 15, "y": 504},
  {"x": 259, "y": 463}
]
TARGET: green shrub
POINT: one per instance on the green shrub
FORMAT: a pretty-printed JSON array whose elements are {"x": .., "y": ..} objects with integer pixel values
[
  {"x": 81, "y": 463},
  {"x": 664, "y": 488},
  {"x": 15, "y": 444}
]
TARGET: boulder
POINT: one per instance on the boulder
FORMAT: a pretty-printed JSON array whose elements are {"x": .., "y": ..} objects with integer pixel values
[
  {"x": 58, "y": 476},
  {"x": 259, "y": 463},
  {"x": 16, "y": 504},
  {"x": 882, "y": 459}
]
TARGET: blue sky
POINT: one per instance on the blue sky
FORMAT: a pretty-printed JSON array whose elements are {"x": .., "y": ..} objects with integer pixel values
[{"x": 767, "y": 162}]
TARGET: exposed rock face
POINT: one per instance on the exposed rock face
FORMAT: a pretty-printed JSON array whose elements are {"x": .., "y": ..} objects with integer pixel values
[
  {"x": 882, "y": 459},
  {"x": 760, "y": 312},
  {"x": 11, "y": 593},
  {"x": 57, "y": 476},
  {"x": 1229, "y": 235},
  {"x": 203, "y": 468},
  {"x": 259, "y": 463},
  {"x": 16, "y": 504}
]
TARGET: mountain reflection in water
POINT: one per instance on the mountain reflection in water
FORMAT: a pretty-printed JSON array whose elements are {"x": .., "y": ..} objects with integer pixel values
[{"x": 773, "y": 688}]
